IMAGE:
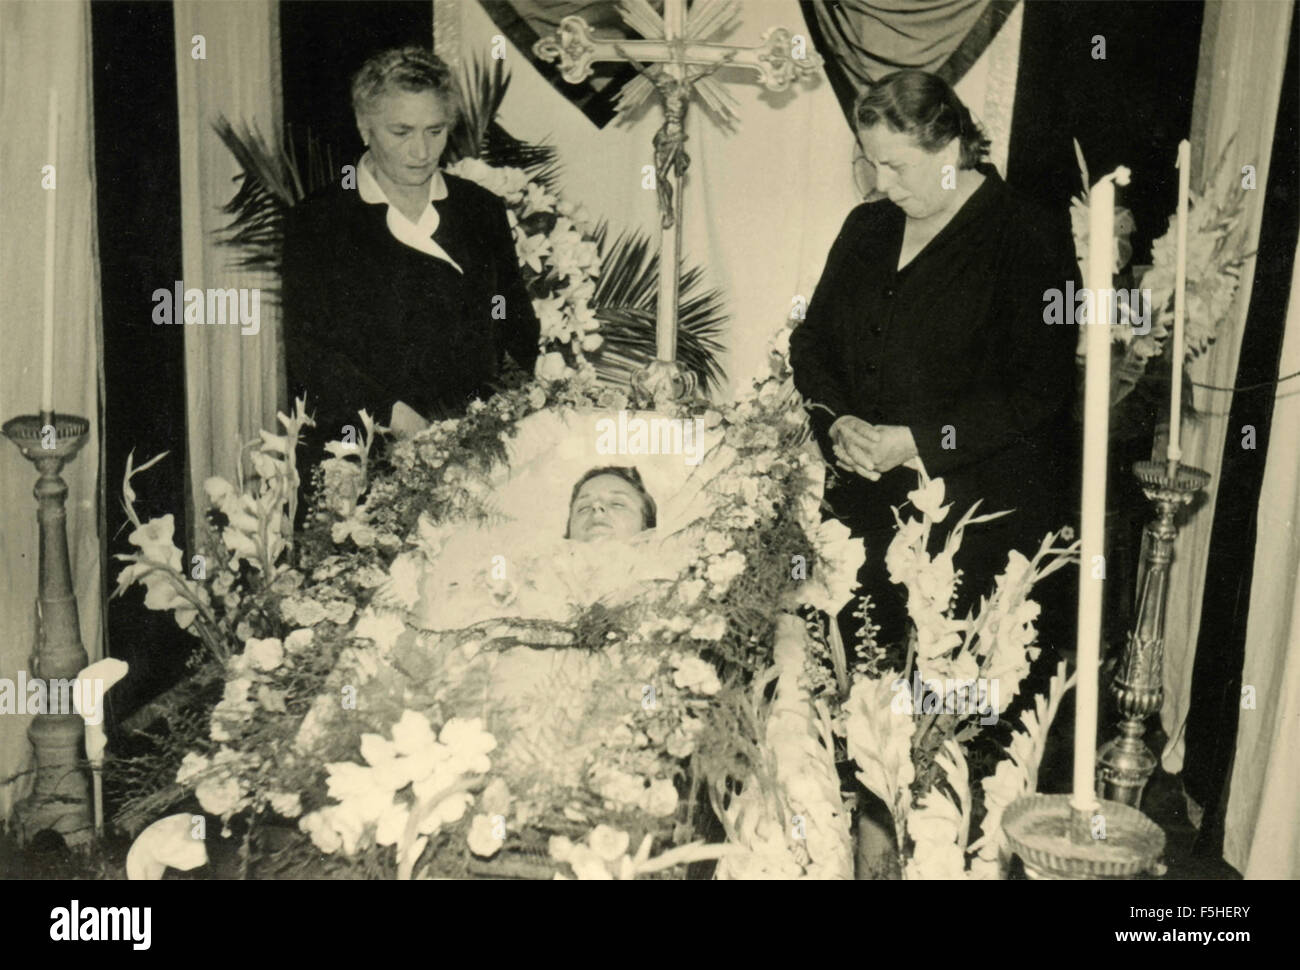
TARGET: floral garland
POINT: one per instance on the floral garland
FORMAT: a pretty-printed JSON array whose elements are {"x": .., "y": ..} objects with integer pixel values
[
  {"x": 291, "y": 614},
  {"x": 559, "y": 258},
  {"x": 743, "y": 701}
]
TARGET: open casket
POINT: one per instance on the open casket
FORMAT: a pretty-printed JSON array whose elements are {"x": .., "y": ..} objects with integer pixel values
[{"x": 585, "y": 677}]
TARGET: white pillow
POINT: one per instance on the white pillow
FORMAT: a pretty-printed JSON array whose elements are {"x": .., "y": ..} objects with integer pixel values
[{"x": 552, "y": 450}]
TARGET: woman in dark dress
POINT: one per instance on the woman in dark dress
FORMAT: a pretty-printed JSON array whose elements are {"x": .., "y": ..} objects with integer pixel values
[
  {"x": 401, "y": 288},
  {"x": 926, "y": 337}
]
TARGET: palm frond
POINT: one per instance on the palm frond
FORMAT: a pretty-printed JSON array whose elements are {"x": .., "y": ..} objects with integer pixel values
[
  {"x": 482, "y": 91},
  {"x": 271, "y": 182},
  {"x": 274, "y": 179},
  {"x": 478, "y": 135},
  {"x": 626, "y": 300},
  {"x": 539, "y": 161}
]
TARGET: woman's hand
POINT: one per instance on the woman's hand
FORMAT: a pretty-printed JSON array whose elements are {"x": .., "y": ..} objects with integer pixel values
[
  {"x": 851, "y": 437},
  {"x": 889, "y": 445}
]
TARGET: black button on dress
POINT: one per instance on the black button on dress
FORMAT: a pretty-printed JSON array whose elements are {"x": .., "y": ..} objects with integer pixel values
[{"x": 955, "y": 348}]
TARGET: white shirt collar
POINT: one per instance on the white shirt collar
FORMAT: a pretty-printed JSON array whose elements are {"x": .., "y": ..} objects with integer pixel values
[{"x": 417, "y": 235}]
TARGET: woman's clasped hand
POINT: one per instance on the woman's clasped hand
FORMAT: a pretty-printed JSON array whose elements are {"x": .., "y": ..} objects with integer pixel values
[{"x": 869, "y": 450}]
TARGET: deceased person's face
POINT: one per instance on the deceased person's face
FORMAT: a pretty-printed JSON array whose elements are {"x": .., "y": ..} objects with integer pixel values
[
  {"x": 408, "y": 132},
  {"x": 606, "y": 507}
]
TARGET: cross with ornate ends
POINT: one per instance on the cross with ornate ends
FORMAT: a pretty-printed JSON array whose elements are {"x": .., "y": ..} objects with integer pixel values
[{"x": 681, "y": 61}]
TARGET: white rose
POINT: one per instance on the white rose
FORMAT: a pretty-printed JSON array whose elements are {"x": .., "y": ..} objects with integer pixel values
[
  {"x": 587, "y": 865},
  {"x": 323, "y": 834},
  {"x": 298, "y": 640},
  {"x": 608, "y": 843},
  {"x": 716, "y": 542},
  {"x": 661, "y": 798},
  {"x": 192, "y": 765},
  {"x": 711, "y": 628},
  {"x": 265, "y": 654},
  {"x": 551, "y": 367},
  {"x": 302, "y": 612},
  {"x": 287, "y": 804},
  {"x": 697, "y": 675},
  {"x": 236, "y": 691},
  {"x": 218, "y": 796},
  {"x": 690, "y": 590},
  {"x": 482, "y": 837},
  {"x": 722, "y": 571}
]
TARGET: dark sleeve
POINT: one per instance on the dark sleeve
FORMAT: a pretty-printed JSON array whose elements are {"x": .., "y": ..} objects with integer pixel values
[
  {"x": 320, "y": 350},
  {"x": 1027, "y": 374},
  {"x": 816, "y": 356},
  {"x": 520, "y": 331}
]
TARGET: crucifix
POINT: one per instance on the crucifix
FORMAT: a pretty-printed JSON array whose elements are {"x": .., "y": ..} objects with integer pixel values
[{"x": 675, "y": 60}]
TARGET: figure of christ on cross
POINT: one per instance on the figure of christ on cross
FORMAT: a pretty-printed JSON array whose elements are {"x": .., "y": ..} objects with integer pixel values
[
  {"x": 681, "y": 60},
  {"x": 670, "y": 140}
]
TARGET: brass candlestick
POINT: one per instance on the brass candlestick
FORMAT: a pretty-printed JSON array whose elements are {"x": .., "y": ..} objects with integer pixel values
[
  {"x": 59, "y": 799},
  {"x": 1125, "y": 764}
]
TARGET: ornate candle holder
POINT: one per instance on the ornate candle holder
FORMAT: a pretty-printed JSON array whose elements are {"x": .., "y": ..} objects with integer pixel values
[
  {"x": 1056, "y": 841},
  {"x": 1125, "y": 764},
  {"x": 59, "y": 799}
]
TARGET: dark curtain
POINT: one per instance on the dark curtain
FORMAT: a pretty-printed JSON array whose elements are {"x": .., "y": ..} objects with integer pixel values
[
  {"x": 526, "y": 21},
  {"x": 1221, "y": 644},
  {"x": 322, "y": 45},
  {"x": 863, "y": 40},
  {"x": 138, "y": 204}
]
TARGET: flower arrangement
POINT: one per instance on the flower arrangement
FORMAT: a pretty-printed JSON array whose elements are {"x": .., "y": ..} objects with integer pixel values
[
  {"x": 1214, "y": 261},
  {"x": 252, "y": 527},
  {"x": 912, "y": 756},
  {"x": 334, "y": 712},
  {"x": 559, "y": 257}
]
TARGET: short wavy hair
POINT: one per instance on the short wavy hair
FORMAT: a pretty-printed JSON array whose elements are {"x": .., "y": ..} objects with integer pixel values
[
  {"x": 404, "y": 69},
  {"x": 925, "y": 106},
  {"x": 629, "y": 474}
]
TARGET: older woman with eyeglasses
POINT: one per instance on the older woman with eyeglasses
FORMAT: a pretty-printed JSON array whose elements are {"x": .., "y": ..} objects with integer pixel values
[
  {"x": 401, "y": 288},
  {"x": 926, "y": 339}
]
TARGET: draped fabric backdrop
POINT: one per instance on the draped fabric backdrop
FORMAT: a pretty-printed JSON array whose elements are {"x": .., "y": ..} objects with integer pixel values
[
  {"x": 1261, "y": 837},
  {"x": 988, "y": 84},
  {"x": 43, "y": 44},
  {"x": 233, "y": 381},
  {"x": 763, "y": 202},
  {"x": 1243, "y": 52},
  {"x": 868, "y": 39}
]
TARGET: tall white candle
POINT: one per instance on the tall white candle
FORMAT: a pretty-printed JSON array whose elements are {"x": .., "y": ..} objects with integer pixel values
[
  {"x": 47, "y": 319},
  {"x": 1176, "y": 351},
  {"x": 1096, "y": 434}
]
